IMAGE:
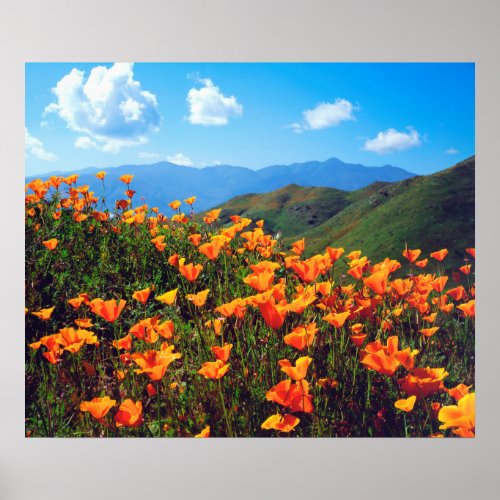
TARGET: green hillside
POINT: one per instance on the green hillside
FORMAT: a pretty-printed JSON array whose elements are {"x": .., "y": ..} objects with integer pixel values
[{"x": 427, "y": 212}]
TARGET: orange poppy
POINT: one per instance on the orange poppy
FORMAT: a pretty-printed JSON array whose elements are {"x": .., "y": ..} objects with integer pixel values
[
  {"x": 421, "y": 263},
  {"x": 377, "y": 282},
  {"x": 110, "y": 309},
  {"x": 155, "y": 363},
  {"x": 273, "y": 314},
  {"x": 421, "y": 382},
  {"x": 51, "y": 244},
  {"x": 465, "y": 269},
  {"x": 260, "y": 281},
  {"x": 294, "y": 396},
  {"x": 151, "y": 390},
  {"x": 457, "y": 293},
  {"x": 469, "y": 308},
  {"x": 174, "y": 205},
  {"x": 440, "y": 255},
  {"x": 101, "y": 175},
  {"x": 411, "y": 255},
  {"x": 214, "y": 369},
  {"x": 406, "y": 404},
  {"x": 439, "y": 283},
  {"x": 429, "y": 332},
  {"x": 301, "y": 336},
  {"x": 216, "y": 324},
  {"x": 335, "y": 253},
  {"x": 308, "y": 270},
  {"x": 127, "y": 178},
  {"x": 459, "y": 391},
  {"x": 142, "y": 295},
  {"x": 76, "y": 302},
  {"x": 223, "y": 352},
  {"x": 299, "y": 246},
  {"x": 195, "y": 239},
  {"x": 358, "y": 339},
  {"x": 211, "y": 216},
  {"x": 129, "y": 414},
  {"x": 471, "y": 252},
  {"x": 199, "y": 298},
  {"x": 168, "y": 297},
  {"x": 283, "y": 424},
  {"x": 73, "y": 340},
  {"x": 204, "y": 433},
  {"x": 44, "y": 314},
  {"x": 158, "y": 243},
  {"x": 337, "y": 319},
  {"x": 297, "y": 372},
  {"x": 166, "y": 329},
  {"x": 211, "y": 250},
  {"x": 190, "y": 271},
  {"x": 98, "y": 407},
  {"x": 461, "y": 417},
  {"x": 123, "y": 343},
  {"x": 190, "y": 200}
]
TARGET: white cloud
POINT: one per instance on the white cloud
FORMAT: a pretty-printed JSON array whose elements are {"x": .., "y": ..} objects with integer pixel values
[
  {"x": 180, "y": 159},
  {"x": 451, "y": 151},
  {"x": 209, "y": 106},
  {"x": 34, "y": 147},
  {"x": 212, "y": 163},
  {"x": 148, "y": 156},
  {"x": 324, "y": 115},
  {"x": 391, "y": 140},
  {"x": 109, "y": 107},
  {"x": 85, "y": 142}
]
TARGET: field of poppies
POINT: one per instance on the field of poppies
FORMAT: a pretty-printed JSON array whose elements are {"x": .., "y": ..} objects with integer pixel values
[{"x": 139, "y": 323}]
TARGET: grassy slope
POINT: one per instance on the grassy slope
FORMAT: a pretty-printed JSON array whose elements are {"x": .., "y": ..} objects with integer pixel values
[{"x": 429, "y": 213}]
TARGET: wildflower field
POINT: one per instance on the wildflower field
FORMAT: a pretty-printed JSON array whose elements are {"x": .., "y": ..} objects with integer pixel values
[{"x": 140, "y": 323}]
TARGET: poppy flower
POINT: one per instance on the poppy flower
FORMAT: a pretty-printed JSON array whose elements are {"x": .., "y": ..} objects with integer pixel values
[
  {"x": 297, "y": 372},
  {"x": 411, "y": 255},
  {"x": 190, "y": 200},
  {"x": 299, "y": 246},
  {"x": 301, "y": 336},
  {"x": 195, "y": 239},
  {"x": 211, "y": 216},
  {"x": 273, "y": 314},
  {"x": 308, "y": 270},
  {"x": 469, "y": 308},
  {"x": 460, "y": 417},
  {"x": 422, "y": 382},
  {"x": 381, "y": 358},
  {"x": 281, "y": 423},
  {"x": 457, "y": 293},
  {"x": 465, "y": 269},
  {"x": 155, "y": 363},
  {"x": 214, "y": 369},
  {"x": 168, "y": 297},
  {"x": 335, "y": 253},
  {"x": 101, "y": 175},
  {"x": 211, "y": 250},
  {"x": 406, "y": 404},
  {"x": 129, "y": 414},
  {"x": 73, "y": 340},
  {"x": 142, "y": 295},
  {"x": 190, "y": 271},
  {"x": 439, "y": 283},
  {"x": 165, "y": 329},
  {"x": 260, "y": 281},
  {"x": 174, "y": 205},
  {"x": 199, "y": 298},
  {"x": 294, "y": 396},
  {"x": 421, "y": 263},
  {"x": 337, "y": 319},
  {"x": 44, "y": 314},
  {"x": 127, "y": 178},
  {"x": 429, "y": 332},
  {"x": 76, "y": 302},
  {"x": 377, "y": 282},
  {"x": 158, "y": 243},
  {"x": 123, "y": 343},
  {"x": 223, "y": 352},
  {"x": 471, "y": 252},
  {"x": 216, "y": 324},
  {"x": 440, "y": 255},
  {"x": 151, "y": 390},
  {"x": 204, "y": 433},
  {"x": 110, "y": 309},
  {"x": 98, "y": 407},
  {"x": 51, "y": 244},
  {"x": 358, "y": 339}
]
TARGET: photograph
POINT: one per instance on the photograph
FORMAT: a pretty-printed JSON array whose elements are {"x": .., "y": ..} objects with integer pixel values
[{"x": 249, "y": 250}]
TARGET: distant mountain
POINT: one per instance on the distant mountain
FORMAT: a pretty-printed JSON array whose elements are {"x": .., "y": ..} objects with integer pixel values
[
  {"x": 163, "y": 182},
  {"x": 427, "y": 212}
]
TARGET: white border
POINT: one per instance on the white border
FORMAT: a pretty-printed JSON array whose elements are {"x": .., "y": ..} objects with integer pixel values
[{"x": 237, "y": 30}]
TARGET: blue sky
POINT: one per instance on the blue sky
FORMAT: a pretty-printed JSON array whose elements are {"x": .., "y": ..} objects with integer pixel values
[{"x": 418, "y": 116}]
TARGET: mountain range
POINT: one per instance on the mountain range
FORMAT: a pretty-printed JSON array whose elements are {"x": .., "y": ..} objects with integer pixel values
[
  {"x": 163, "y": 182},
  {"x": 427, "y": 212}
]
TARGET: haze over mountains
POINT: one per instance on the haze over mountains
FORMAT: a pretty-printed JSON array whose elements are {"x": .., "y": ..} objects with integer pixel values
[{"x": 162, "y": 182}]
